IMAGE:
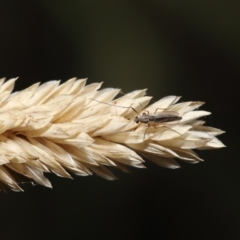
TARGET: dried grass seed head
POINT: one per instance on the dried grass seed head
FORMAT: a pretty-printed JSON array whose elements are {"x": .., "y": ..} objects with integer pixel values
[{"x": 60, "y": 128}]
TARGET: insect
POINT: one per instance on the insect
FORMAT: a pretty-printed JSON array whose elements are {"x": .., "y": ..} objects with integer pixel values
[
  {"x": 161, "y": 117},
  {"x": 156, "y": 118}
]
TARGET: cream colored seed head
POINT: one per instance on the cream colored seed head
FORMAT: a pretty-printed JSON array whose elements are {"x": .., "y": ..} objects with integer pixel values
[{"x": 60, "y": 128}]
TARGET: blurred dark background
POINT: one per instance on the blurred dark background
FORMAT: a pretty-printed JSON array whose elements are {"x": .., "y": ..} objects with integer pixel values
[{"x": 187, "y": 48}]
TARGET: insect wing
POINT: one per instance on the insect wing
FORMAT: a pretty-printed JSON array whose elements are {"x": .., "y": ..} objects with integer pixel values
[{"x": 166, "y": 116}]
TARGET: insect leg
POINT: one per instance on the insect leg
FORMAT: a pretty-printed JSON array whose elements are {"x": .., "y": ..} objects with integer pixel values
[
  {"x": 163, "y": 109},
  {"x": 170, "y": 129},
  {"x": 146, "y": 131}
]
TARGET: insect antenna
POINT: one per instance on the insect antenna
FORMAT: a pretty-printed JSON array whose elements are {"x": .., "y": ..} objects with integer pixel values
[{"x": 115, "y": 105}]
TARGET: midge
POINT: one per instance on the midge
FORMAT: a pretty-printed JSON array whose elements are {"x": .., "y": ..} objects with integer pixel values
[
  {"x": 161, "y": 117},
  {"x": 146, "y": 117}
]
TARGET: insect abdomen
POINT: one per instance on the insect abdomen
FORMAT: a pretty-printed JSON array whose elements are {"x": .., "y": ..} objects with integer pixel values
[{"x": 166, "y": 118}]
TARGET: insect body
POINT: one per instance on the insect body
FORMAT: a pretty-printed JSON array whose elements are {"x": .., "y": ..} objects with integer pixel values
[
  {"x": 158, "y": 118},
  {"x": 162, "y": 117}
]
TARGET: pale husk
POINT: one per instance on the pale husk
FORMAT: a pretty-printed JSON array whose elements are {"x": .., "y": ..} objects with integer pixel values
[{"x": 72, "y": 128}]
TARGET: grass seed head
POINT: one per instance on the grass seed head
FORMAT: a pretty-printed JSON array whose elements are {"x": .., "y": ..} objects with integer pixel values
[{"x": 60, "y": 128}]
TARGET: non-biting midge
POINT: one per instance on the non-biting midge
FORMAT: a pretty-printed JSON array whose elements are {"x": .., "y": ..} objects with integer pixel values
[{"x": 147, "y": 118}]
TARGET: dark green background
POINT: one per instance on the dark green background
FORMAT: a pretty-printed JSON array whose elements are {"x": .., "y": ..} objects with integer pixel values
[{"x": 187, "y": 48}]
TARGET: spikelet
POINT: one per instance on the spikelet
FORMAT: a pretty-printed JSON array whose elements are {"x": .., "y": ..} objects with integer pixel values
[{"x": 72, "y": 128}]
